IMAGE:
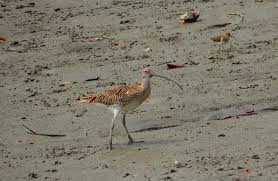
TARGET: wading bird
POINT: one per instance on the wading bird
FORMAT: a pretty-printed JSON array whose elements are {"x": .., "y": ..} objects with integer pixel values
[
  {"x": 124, "y": 99},
  {"x": 222, "y": 39}
]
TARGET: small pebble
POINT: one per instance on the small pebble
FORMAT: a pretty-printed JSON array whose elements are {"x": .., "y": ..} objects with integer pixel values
[
  {"x": 147, "y": 49},
  {"x": 57, "y": 162},
  {"x": 125, "y": 175},
  {"x": 173, "y": 171},
  {"x": 221, "y": 135},
  {"x": 255, "y": 157}
]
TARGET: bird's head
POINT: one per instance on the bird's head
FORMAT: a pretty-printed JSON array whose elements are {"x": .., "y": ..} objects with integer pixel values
[{"x": 147, "y": 73}]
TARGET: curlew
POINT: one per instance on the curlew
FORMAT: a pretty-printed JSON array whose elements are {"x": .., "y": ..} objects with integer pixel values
[
  {"x": 121, "y": 100},
  {"x": 222, "y": 39}
]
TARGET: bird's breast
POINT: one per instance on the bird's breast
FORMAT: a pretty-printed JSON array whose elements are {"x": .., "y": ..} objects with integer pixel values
[{"x": 137, "y": 100}]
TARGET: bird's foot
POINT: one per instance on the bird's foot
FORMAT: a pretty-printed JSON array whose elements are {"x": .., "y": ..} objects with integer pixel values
[
  {"x": 110, "y": 146},
  {"x": 130, "y": 141}
]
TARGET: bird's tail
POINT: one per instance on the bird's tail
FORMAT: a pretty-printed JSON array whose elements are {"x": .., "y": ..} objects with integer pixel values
[{"x": 86, "y": 99}]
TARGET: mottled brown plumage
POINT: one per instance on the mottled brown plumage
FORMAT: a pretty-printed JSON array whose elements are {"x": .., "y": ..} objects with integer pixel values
[
  {"x": 221, "y": 38},
  {"x": 124, "y": 99},
  {"x": 123, "y": 96}
]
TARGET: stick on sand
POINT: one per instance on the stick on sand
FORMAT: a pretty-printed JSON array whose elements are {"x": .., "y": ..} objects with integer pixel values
[{"x": 30, "y": 131}]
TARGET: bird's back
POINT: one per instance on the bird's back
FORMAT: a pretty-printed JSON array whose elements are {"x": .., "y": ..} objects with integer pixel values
[
  {"x": 128, "y": 97},
  {"x": 219, "y": 38},
  {"x": 216, "y": 38}
]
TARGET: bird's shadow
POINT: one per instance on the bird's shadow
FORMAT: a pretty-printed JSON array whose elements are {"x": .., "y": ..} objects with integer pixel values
[{"x": 142, "y": 143}]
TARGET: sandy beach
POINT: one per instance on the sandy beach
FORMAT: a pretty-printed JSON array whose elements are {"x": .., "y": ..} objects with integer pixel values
[{"x": 223, "y": 126}]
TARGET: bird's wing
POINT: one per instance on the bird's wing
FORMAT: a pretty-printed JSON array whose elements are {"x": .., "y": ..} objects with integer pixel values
[
  {"x": 124, "y": 90},
  {"x": 113, "y": 95},
  {"x": 216, "y": 38}
]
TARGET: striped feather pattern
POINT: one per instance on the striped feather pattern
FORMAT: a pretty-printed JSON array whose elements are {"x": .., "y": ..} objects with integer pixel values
[{"x": 128, "y": 97}]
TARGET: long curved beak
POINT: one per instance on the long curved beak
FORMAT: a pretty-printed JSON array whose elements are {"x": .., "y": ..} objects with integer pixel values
[
  {"x": 155, "y": 75},
  {"x": 233, "y": 37}
]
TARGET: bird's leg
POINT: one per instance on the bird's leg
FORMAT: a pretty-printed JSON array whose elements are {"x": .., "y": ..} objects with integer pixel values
[
  {"x": 219, "y": 47},
  {"x": 111, "y": 130},
  {"x": 116, "y": 113},
  {"x": 126, "y": 130},
  {"x": 231, "y": 47}
]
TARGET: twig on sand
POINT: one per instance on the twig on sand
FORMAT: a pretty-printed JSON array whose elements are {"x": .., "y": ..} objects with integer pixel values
[
  {"x": 221, "y": 25},
  {"x": 174, "y": 66},
  {"x": 242, "y": 17},
  {"x": 106, "y": 37},
  {"x": 94, "y": 39},
  {"x": 30, "y": 131},
  {"x": 243, "y": 113},
  {"x": 92, "y": 79},
  {"x": 236, "y": 14}
]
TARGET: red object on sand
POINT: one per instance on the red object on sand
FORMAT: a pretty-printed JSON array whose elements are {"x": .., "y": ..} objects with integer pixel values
[
  {"x": 174, "y": 66},
  {"x": 249, "y": 111},
  {"x": 248, "y": 170},
  {"x": 2, "y": 39}
]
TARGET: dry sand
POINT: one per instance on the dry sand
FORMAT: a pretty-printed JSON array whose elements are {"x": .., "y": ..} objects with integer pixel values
[{"x": 48, "y": 56}]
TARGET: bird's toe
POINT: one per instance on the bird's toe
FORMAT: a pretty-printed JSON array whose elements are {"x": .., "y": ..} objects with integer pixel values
[{"x": 130, "y": 142}]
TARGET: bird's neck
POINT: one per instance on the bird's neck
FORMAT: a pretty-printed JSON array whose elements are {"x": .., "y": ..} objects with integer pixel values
[{"x": 146, "y": 82}]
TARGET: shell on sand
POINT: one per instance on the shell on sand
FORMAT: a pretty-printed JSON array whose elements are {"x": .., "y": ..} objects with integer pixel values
[{"x": 190, "y": 16}]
